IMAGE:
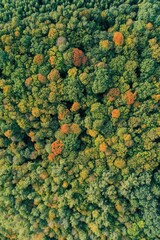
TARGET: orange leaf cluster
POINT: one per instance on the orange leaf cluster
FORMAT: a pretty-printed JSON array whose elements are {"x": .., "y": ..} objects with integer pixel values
[
  {"x": 75, "y": 128},
  {"x": 52, "y": 60},
  {"x": 7, "y": 49},
  {"x": 115, "y": 113},
  {"x": 113, "y": 94},
  {"x": 104, "y": 44},
  {"x": 54, "y": 75},
  {"x": 11, "y": 236},
  {"x": 8, "y": 133},
  {"x": 41, "y": 78},
  {"x": 38, "y": 59},
  {"x": 156, "y": 97},
  {"x": 33, "y": 155},
  {"x": 61, "y": 115},
  {"x": 119, "y": 207},
  {"x": 38, "y": 236},
  {"x": 103, "y": 147},
  {"x": 130, "y": 97},
  {"x": 70, "y": 128},
  {"x": 28, "y": 81},
  {"x": 35, "y": 112},
  {"x": 118, "y": 39},
  {"x": 149, "y": 26},
  {"x": 16, "y": 33},
  {"x": 65, "y": 184},
  {"x": 56, "y": 149},
  {"x": 78, "y": 57},
  {"x": 52, "y": 33},
  {"x": 31, "y": 134},
  {"x": 43, "y": 175},
  {"x": 75, "y": 107},
  {"x": 65, "y": 128}
]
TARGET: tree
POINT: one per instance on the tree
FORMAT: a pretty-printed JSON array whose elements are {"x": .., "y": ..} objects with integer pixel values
[
  {"x": 101, "y": 81},
  {"x": 79, "y": 120}
]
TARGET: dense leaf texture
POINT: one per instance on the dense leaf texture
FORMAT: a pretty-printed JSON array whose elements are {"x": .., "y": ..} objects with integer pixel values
[{"x": 79, "y": 121}]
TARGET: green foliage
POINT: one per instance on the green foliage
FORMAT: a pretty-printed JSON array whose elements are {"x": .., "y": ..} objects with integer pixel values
[
  {"x": 101, "y": 81},
  {"x": 79, "y": 120}
]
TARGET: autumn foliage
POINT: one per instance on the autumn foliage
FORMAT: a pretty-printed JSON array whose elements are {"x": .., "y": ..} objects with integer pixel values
[
  {"x": 70, "y": 128},
  {"x": 28, "y": 81},
  {"x": 113, "y": 94},
  {"x": 38, "y": 59},
  {"x": 52, "y": 60},
  {"x": 56, "y": 149},
  {"x": 130, "y": 97},
  {"x": 75, "y": 128},
  {"x": 41, "y": 78},
  {"x": 103, "y": 147},
  {"x": 78, "y": 57},
  {"x": 8, "y": 133},
  {"x": 63, "y": 114},
  {"x": 65, "y": 128},
  {"x": 79, "y": 120},
  {"x": 53, "y": 75},
  {"x": 104, "y": 44},
  {"x": 115, "y": 113},
  {"x": 75, "y": 107},
  {"x": 118, "y": 38}
]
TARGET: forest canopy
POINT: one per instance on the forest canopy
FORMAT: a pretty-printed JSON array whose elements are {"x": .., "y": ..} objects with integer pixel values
[{"x": 79, "y": 120}]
